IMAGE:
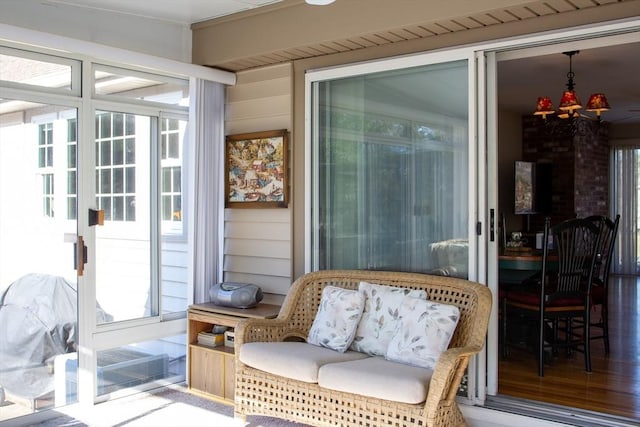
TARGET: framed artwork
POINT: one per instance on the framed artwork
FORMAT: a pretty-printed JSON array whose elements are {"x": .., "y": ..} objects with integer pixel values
[{"x": 256, "y": 170}]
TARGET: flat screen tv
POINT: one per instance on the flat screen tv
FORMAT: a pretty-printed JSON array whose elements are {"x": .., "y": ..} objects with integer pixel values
[{"x": 532, "y": 188}]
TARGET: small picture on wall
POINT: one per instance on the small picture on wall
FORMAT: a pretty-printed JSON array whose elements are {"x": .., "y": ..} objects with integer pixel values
[{"x": 256, "y": 170}]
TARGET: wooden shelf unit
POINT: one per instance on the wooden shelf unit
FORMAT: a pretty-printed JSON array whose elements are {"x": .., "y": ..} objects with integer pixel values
[{"x": 211, "y": 370}]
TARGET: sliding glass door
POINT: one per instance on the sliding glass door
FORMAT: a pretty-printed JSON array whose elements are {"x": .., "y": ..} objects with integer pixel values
[
  {"x": 393, "y": 170},
  {"x": 38, "y": 283},
  {"x": 391, "y": 162},
  {"x": 93, "y": 246}
]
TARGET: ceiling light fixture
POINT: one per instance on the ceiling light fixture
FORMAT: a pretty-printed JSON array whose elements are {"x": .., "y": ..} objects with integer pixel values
[
  {"x": 319, "y": 2},
  {"x": 570, "y": 103}
]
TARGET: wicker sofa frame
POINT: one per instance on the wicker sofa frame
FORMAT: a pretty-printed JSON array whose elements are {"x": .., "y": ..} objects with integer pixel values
[{"x": 262, "y": 393}]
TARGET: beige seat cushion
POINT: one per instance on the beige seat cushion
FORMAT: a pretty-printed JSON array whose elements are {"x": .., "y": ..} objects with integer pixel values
[
  {"x": 377, "y": 377},
  {"x": 296, "y": 360}
]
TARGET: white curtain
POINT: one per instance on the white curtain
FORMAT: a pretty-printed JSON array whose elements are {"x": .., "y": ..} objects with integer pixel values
[
  {"x": 205, "y": 180},
  {"x": 624, "y": 201}
]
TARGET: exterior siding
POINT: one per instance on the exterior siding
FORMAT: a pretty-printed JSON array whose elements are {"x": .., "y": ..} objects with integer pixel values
[{"x": 258, "y": 242}]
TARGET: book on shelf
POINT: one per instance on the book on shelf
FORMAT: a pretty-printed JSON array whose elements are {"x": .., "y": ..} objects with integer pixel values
[{"x": 210, "y": 339}]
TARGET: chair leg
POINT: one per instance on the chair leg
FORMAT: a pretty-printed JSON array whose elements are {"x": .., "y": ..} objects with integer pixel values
[
  {"x": 587, "y": 341},
  {"x": 605, "y": 327},
  {"x": 504, "y": 328},
  {"x": 541, "y": 334}
]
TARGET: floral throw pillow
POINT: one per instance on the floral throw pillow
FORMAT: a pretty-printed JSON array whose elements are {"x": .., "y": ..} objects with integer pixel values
[
  {"x": 380, "y": 316},
  {"x": 337, "y": 319},
  {"x": 424, "y": 332}
]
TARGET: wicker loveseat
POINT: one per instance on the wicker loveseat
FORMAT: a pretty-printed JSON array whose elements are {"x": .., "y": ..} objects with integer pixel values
[{"x": 262, "y": 393}]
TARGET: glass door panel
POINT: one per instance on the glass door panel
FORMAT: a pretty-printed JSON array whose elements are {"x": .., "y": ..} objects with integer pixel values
[
  {"x": 38, "y": 282},
  {"x": 140, "y": 249},
  {"x": 391, "y": 157},
  {"x": 126, "y": 282}
]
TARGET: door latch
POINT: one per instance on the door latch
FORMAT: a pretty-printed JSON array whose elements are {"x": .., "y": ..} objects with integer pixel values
[
  {"x": 79, "y": 253},
  {"x": 96, "y": 217}
]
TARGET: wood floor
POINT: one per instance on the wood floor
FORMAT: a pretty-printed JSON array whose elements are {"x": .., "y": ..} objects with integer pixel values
[{"x": 614, "y": 385}]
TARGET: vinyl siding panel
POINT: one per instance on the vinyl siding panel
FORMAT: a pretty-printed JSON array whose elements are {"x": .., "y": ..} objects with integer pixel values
[{"x": 258, "y": 242}]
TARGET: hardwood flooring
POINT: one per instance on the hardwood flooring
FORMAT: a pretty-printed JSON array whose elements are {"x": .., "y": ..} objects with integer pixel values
[{"x": 614, "y": 385}]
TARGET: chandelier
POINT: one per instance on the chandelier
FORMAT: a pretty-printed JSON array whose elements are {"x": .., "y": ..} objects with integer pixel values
[{"x": 569, "y": 102}]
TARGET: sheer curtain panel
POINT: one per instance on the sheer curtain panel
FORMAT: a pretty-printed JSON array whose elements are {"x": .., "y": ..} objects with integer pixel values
[
  {"x": 207, "y": 133},
  {"x": 624, "y": 193}
]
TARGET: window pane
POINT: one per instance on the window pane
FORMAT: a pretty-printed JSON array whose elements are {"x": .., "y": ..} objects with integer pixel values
[
  {"x": 72, "y": 130},
  {"x": 131, "y": 208},
  {"x": 105, "y": 204},
  {"x": 118, "y": 180},
  {"x": 71, "y": 156},
  {"x": 392, "y": 176},
  {"x": 71, "y": 208},
  {"x": 118, "y": 208},
  {"x": 131, "y": 125},
  {"x": 71, "y": 182},
  {"x": 166, "y": 208},
  {"x": 130, "y": 144},
  {"x": 176, "y": 180},
  {"x": 118, "y": 125},
  {"x": 118, "y": 151},
  {"x": 105, "y": 126},
  {"x": 16, "y": 68},
  {"x": 166, "y": 180},
  {"x": 105, "y": 181},
  {"x": 177, "y": 208},
  {"x": 140, "y": 363},
  {"x": 105, "y": 153},
  {"x": 111, "y": 81},
  {"x": 174, "y": 145},
  {"x": 130, "y": 180}
]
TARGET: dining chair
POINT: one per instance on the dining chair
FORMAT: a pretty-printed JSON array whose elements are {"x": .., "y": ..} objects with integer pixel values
[
  {"x": 600, "y": 288},
  {"x": 561, "y": 294}
]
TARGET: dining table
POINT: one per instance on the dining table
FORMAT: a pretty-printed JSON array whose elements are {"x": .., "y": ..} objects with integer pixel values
[{"x": 515, "y": 267}]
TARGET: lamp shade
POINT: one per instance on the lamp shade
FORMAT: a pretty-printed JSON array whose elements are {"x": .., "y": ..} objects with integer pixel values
[
  {"x": 544, "y": 106},
  {"x": 319, "y": 2},
  {"x": 569, "y": 101},
  {"x": 598, "y": 103}
]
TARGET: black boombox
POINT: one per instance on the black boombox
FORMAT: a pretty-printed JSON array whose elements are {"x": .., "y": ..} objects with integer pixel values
[{"x": 238, "y": 295}]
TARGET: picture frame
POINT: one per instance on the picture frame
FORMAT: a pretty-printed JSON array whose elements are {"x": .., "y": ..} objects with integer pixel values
[{"x": 256, "y": 170}]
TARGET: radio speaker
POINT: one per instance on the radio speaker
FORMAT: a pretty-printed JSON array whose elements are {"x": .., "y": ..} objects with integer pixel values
[{"x": 238, "y": 295}]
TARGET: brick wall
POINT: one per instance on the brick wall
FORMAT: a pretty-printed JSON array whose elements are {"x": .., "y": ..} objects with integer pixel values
[{"x": 580, "y": 165}]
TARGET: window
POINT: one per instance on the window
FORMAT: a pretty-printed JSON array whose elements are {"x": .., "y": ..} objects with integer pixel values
[
  {"x": 171, "y": 185},
  {"x": 392, "y": 177},
  {"x": 45, "y": 163},
  {"x": 72, "y": 145},
  {"x": 116, "y": 165},
  {"x": 128, "y": 85},
  {"x": 19, "y": 68}
]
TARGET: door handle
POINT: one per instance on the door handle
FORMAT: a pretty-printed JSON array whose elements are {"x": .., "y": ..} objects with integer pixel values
[
  {"x": 492, "y": 225},
  {"x": 96, "y": 217},
  {"x": 80, "y": 253}
]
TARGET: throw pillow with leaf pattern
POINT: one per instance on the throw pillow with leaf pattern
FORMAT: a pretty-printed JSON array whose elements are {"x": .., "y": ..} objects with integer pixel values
[
  {"x": 380, "y": 316},
  {"x": 337, "y": 319},
  {"x": 424, "y": 331}
]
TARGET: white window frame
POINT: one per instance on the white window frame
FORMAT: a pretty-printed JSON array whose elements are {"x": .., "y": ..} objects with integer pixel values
[{"x": 74, "y": 65}]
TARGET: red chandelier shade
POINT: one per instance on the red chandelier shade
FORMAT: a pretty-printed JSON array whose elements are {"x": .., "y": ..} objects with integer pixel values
[
  {"x": 544, "y": 106},
  {"x": 569, "y": 101},
  {"x": 598, "y": 103}
]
